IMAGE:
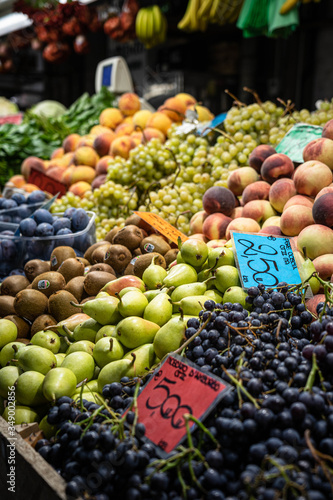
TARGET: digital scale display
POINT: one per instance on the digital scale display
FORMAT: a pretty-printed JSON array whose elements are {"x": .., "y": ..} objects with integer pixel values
[{"x": 106, "y": 75}]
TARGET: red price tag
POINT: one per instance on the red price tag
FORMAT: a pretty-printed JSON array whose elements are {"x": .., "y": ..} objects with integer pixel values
[
  {"x": 177, "y": 388},
  {"x": 46, "y": 183}
]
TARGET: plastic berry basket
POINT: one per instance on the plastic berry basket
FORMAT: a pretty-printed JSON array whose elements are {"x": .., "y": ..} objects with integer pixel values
[{"x": 16, "y": 214}]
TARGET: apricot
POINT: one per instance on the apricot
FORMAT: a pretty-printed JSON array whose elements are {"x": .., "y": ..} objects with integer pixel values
[
  {"x": 83, "y": 173},
  {"x": 57, "y": 153},
  {"x": 29, "y": 163},
  {"x": 141, "y": 117},
  {"x": 17, "y": 181},
  {"x": 129, "y": 104},
  {"x": 160, "y": 121},
  {"x": 174, "y": 108},
  {"x": 55, "y": 173},
  {"x": 187, "y": 99},
  {"x": 67, "y": 175},
  {"x": 102, "y": 142},
  {"x": 85, "y": 155},
  {"x": 103, "y": 164},
  {"x": 29, "y": 188},
  {"x": 152, "y": 133},
  {"x": 80, "y": 188},
  {"x": 71, "y": 142},
  {"x": 124, "y": 129},
  {"x": 110, "y": 117},
  {"x": 99, "y": 129}
]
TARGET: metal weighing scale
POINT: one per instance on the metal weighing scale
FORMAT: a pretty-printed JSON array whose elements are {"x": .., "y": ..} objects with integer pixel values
[{"x": 114, "y": 74}]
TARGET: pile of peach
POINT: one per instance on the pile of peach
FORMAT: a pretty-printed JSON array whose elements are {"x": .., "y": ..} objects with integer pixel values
[
  {"x": 273, "y": 196},
  {"x": 81, "y": 162}
]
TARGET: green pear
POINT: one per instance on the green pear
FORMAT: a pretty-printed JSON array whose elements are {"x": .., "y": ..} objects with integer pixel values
[
  {"x": 101, "y": 295},
  {"x": 236, "y": 294},
  {"x": 64, "y": 343},
  {"x": 221, "y": 257},
  {"x": 36, "y": 358},
  {"x": 226, "y": 276},
  {"x": 8, "y": 377},
  {"x": 48, "y": 430},
  {"x": 29, "y": 388},
  {"x": 105, "y": 331},
  {"x": 71, "y": 322},
  {"x": 306, "y": 269},
  {"x": 106, "y": 350},
  {"x": 81, "y": 364},
  {"x": 170, "y": 336},
  {"x": 214, "y": 295},
  {"x": 189, "y": 290},
  {"x": 104, "y": 310},
  {"x": 96, "y": 372},
  {"x": 87, "y": 330},
  {"x": 113, "y": 372},
  {"x": 93, "y": 397},
  {"x": 205, "y": 275},
  {"x": 132, "y": 304},
  {"x": 150, "y": 294},
  {"x": 22, "y": 415},
  {"x": 159, "y": 309},
  {"x": 154, "y": 275},
  {"x": 60, "y": 356},
  {"x": 59, "y": 382},
  {"x": 47, "y": 339},
  {"x": 180, "y": 274},
  {"x": 9, "y": 352},
  {"x": 194, "y": 252},
  {"x": 135, "y": 331},
  {"x": 143, "y": 360},
  {"x": 8, "y": 332},
  {"x": 191, "y": 305},
  {"x": 179, "y": 259},
  {"x": 91, "y": 386},
  {"x": 81, "y": 345},
  {"x": 128, "y": 289}
]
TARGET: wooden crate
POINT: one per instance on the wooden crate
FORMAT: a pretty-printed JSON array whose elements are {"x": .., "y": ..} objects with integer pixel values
[{"x": 34, "y": 477}]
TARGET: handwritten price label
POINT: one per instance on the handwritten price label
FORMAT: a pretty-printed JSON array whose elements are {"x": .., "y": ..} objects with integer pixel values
[
  {"x": 265, "y": 259},
  {"x": 162, "y": 226},
  {"x": 46, "y": 183},
  {"x": 177, "y": 388}
]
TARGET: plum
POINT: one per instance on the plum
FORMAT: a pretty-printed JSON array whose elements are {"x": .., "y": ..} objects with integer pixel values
[
  {"x": 24, "y": 211},
  {"x": 80, "y": 220},
  {"x": 19, "y": 198},
  {"x": 44, "y": 229},
  {"x": 60, "y": 223},
  {"x": 41, "y": 215},
  {"x": 28, "y": 227},
  {"x": 8, "y": 204},
  {"x": 36, "y": 197},
  {"x": 8, "y": 250},
  {"x": 67, "y": 242},
  {"x": 69, "y": 212}
]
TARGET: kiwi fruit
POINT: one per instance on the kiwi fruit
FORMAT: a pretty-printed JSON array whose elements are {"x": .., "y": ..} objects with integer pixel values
[
  {"x": 95, "y": 281},
  {"x": 60, "y": 306},
  {"x": 76, "y": 287},
  {"x": 129, "y": 268},
  {"x": 22, "y": 325},
  {"x": 101, "y": 266},
  {"x": 59, "y": 254},
  {"x": 99, "y": 253},
  {"x": 84, "y": 261},
  {"x": 154, "y": 243},
  {"x": 23, "y": 341},
  {"x": 91, "y": 249},
  {"x": 6, "y": 305},
  {"x": 143, "y": 261},
  {"x": 35, "y": 267},
  {"x": 49, "y": 283},
  {"x": 42, "y": 322},
  {"x": 137, "y": 252},
  {"x": 71, "y": 268},
  {"x": 14, "y": 284},
  {"x": 137, "y": 221},
  {"x": 111, "y": 234},
  {"x": 118, "y": 257},
  {"x": 130, "y": 236},
  {"x": 30, "y": 304},
  {"x": 87, "y": 299},
  {"x": 171, "y": 255}
]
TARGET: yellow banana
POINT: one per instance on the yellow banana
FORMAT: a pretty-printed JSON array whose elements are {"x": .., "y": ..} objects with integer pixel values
[
  {"x": 288, "y": 6},
  {"x": 213, "y": 11},
  {"x": 138, "y": 21},
  {"x": 194, "y": 15},
  {"x": 150, "y": 24},
  {"x": 184, "y": 23},
  {"x": 204, "y": 9},
  {"x": 157, "y": 19},
  {"x": 143, "y": 26}
]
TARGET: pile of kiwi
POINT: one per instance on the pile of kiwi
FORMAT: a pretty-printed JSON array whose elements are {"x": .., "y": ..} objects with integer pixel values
[{"x": 43, "y": 296}]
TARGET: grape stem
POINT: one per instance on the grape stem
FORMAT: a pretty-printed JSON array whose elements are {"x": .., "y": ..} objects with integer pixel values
[
  {"x": 312, "y": 375},
  {"x": 236, "y": 101},
  {"x": 240, "y": 385},
  {"x": 255, "y": 95},
  {"x": 318, "y": 456},
  {"x": 188, "y": 417},
  {"x": 289, "y": 484}
]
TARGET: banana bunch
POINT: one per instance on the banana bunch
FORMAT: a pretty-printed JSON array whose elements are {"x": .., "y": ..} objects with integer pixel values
[
  {"x": 151, "y": 26},
  {"x": 291, "y": 4},
  {"x": 200, "y": 13}
]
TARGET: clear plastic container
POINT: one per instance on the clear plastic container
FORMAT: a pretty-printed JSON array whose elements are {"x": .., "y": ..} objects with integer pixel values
[
  {"x": 15, "y": 251},
  {"x": 15, "y": 215}
]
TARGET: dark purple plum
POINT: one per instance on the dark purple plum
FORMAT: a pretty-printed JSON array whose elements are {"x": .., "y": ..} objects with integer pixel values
[
  {"x": 36, "y": 197},
  {"x": 24, "y": 211},
  {"x": 19, "y": 198},
  {"x": 61, "y": 223},
  {"x": 41, "y": 215},
  {"x": 5, "y": 218},
  {"x": 8, "y": 204},
  {"x": 8, "y": 250},
  {"x": 80, "y": 220},
  {"x": 44, "y": 229},
  {"x": 65, "y": 241},
  {"x": 69, "y": 212},
  {"x": 28, "y": 227}
]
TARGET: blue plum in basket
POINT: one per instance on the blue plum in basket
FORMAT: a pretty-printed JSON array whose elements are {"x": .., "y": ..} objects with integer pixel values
[
  {"x": 8, "y": 250},
  {"x": 28, "y": 227},
  {"x": 36, "y": 197},
  {"x": 19, "y": 198},
  {"x": 8, "y": 204},
  {"x": 80, "y": 220},
  {"x": 61, "y": 223},
  {"x": 34, "y": 249},
  {"x": 44, "y": 229},
  {"x": 63, "y": 241},
  {"x": 16, "y": 220},
  {"x": 24, "y": 211},
  {"x": 5, "y": 218},
  {"x": 82, "y": 242},
  {"x": 46, "y": 250},
  {"x": 41, "y": 215},
  {"x": 69, "y": 212}
]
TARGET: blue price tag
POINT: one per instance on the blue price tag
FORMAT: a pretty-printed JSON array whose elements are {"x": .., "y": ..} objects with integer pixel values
[{"x": 265, "y": 260}]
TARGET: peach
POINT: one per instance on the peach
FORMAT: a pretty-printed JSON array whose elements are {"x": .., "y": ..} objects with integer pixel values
[
  {"x": 110, "y": 117},
  {"x": 187, "y": 99},
  {"x": 259, "y": 155},
  {"x": 196, "y": 221},
  {"x": 55, "y": 173},
  {"x": 86, "y": 155},
  {"x": 325, "y": 190},
  {"x": 121, "y": 146},
  {"x": 198, "y": 236},
  {"x": 298, "y": 199},
  {"x": 323, "y": 210},
  {"x": 129, "y": 103},
  {"x": 320, "y": 150},
  {"x": 67, "y": 175},
  {"x": 276, "y": 166},
  {"x": 280, "y": 192},
  {"x": 324, "y": 266},
  {"x": 259, "y": 210},
  {"x": 29, "y": 188},
  {"x": 103, "y": 142},
  {"x": 274, "y": 230},
  {"x": 99, "y": 129},
  {"x": 218, "y": 199},
  {"x": 67, "y": 159},
  {"x": 272, "y": 221},
  {"x": 216, "y": 243},
  {"x": 103, "y": 164},
  {"x": 257, "y": 191},
  {"x": 29, "y": 163},
  {"x": 237, "y": 212},
  {"x": 152, "y": 133},
  {"x": 137, "y": 137},
  {"x": 240, "y": 178},
  {"x": 17, "y": 181},
  {"x": 83, "y": 173},
  {"x": 311, "y": 304},
  {"x": 160, "y": 121},
  {"x": 316, "y": 240},
  {"x": 174, "y": 108},
  {"x": 70, "y": 142},
  {"x": 141, "y": 117},
  {"x": 57, "y": 153},
  {"x": 128, "y": 119},
  {"x": 80, "y": 188},
  {"x": 98, "y": 181},
  {"x": 328, "y": 130},
  {"x": 242, "y": 224},
  {"x": 215, "y": 225},
  {"x": 311, "y": 177},
  {"x": 124, "y": 129},
  {"x": 294, "y": 219},
  {"x": 87, "y": 140}
]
